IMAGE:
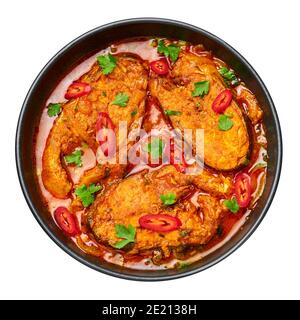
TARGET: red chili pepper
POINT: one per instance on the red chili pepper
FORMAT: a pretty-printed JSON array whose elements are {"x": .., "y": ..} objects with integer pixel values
[
  {"x": 180, "y": 164},
  {"x": 66, "y": 221},
  {"x": 159, "y": 222},
  {"x": 187, "y": 48},
  {"x": 105, "y": 133},
  {"x": 160, "y": 66},
  {"x": 242, "y": 189},
  {"x": 77, "y": 89},
  {"x": 222, "y": 101}
]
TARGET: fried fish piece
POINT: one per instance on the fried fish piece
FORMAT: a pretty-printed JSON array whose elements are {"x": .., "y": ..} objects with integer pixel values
[
  {"x": 223, "y": 150},
  {"x": 116, "y": 205},
  {"x": 76, "y": 123},
  {"x": 54, "y": 175},
  {"x": 216, "y": 184}
]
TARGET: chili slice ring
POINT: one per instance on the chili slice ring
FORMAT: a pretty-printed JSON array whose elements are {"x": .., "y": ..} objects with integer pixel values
[
  {"x": 160, "y": 66},
  {"x": 77, "y": 89},
  {"x": 222, "y": 101},
  {"x": 66, "y": 221},
  {"x": 159, "y": 222},
  {"x": 242, "y": 189}
]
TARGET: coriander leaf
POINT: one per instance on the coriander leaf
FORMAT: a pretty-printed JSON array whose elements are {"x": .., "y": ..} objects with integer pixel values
[
  {"x": 172, "y": 50},
  {"x": 201, "y": 88},
  {"x": 232, "y": 205},
  {"x": 107, "y": 63},
  {"x": 229, "y": 76},
  {"x": 225, "y": 123},
  {"x": 121, "y": 99},
  {"x": 54, "y": 109},
  {"x": 86, "y": 193},
  {"x": 127, "y": 234},
  {"x": 121, "y": 244},
  {"x": 134, "y": 112},
  {"x": 155, "y": 148},
  {"x": 246, "y": 162},
  {"x": 74, "y": 158},
  {"x": 183, "y": 265},
  {"x": 172, "y": 113},
  {"x": 161, "y": 48},
  {"x": 168, "y": 198},
  {"x": 93, "y": 188},
  {"x": 260, "y": 165}
]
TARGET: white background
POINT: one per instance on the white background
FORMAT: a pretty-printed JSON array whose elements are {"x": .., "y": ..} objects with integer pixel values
[{"x": 267, "y": 265}]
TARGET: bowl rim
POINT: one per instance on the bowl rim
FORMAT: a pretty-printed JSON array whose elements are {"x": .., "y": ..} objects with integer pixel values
[{"x": 118, "y": 274}]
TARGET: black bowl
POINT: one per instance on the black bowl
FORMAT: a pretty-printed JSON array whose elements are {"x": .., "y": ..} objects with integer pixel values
[{"x": 76, "y": 51}]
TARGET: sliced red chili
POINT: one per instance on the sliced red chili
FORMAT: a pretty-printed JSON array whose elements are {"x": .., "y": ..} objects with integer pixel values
[
  {"x": 160, "y": 66},
  {"x": 66, "y": 221},
  {"x": 242, "y": 189},
  {"x": 177, "y": 159},
  {"x": 105, "y": 134},
  {"x": 159, "y": 222},
  {"x": 187, "y": 48},
  {"x": 222, "y": 101},
  {"x": 77, "y": 89}
]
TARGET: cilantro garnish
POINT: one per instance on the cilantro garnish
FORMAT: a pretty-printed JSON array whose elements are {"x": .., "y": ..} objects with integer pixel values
[
  {"x": 54, "y": 109},
  {"x": 229, "y": 76},
  {"x": 168, "y": 198},
  {"x": 107, "y": 63},
  {"x": 172, "y": 113},
  {"x": 127, "y": 234},
  {"x": 121, "y": 99},
  {"x": 74, "y": 158},
  {"x": 201, "y": 88},
  {"x": 225, "y": 123},
  {"x": 155, "y": 148},
  {"x": 232, "y": 205},
  {"x": 86, "y": 194},
  {"x": 171, "y": 50}
]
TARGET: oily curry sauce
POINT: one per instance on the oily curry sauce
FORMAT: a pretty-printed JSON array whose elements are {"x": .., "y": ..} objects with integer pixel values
[{"x": 150, "y": 215}]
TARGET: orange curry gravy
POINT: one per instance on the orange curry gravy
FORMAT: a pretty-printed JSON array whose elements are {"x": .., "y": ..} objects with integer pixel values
[{"x": 256, "y": 167}]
